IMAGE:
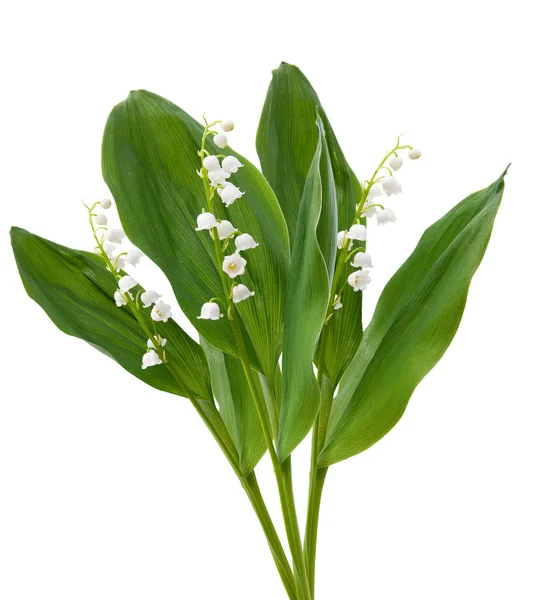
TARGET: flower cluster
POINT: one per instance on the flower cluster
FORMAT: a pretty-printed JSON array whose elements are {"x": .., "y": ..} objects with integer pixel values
[
  {"x": 109, "y": 246},
  {"x": 216, "y": 170},
  {"x": 378, "y": 186}
]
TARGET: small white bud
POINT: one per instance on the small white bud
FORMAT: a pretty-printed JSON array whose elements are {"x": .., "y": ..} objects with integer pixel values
[
  {"x": 105, "y": 204},
  {"x": 234, "y": 265},
  {"x": 221, "y": 140},
  {"x": 211, "y": 163},
  {"x": 415, "y": 153},
  {"x": 342, "y": 236},
  {"x": 386, "y": 216},
  {"x": 396, "y": 162},
  {"x": 337, "y": 303},
  {"x": 126, "y": 283},
  {"x": 240, "y": 292},
  {"x": 114, "y": 235},
  {"x": 100, "y": 219},
  {"x": 231, "y": 164},
  {"x": 357, "y": 232},
  {"x": 210, "y": 311},
  {"x": 205, "y": 220},
  {"x": 245, "y": 242},
  {"x": 159, "y": 341},
  {"x": 225, "y": 229},
  {"x": 362, "y": 259},
  {"x": 227, "y": 125}
]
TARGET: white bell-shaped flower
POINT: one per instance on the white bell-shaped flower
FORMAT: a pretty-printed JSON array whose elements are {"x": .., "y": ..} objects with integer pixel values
[
  {"x": 391, "y": 185},
  {"x": 337, "y": 303},
  {"x": 211, "y": 163},
  {"x": 227, "y": 125},
  {"x": 121, "y": 298},
  {"x": 221, "y": 140},
  {"x": 109, "y": 248},
  {"x": 149, "y": 297},
  {"x": 415, "y": 153},
  {"x": 234, "y": 265},
  {"x": 119, "y": 260},
  {"x": 357, "y": 232},
  {"x": 126, "y": 283},
  {"x": 229, "y": 193},
  {"x": 362, "y": 259},
  {"x": 105, "y": 204},
  {"x": 231, "y": 164},
  {"x": 375, "y": 191},
  {"x": 217, "y": 177},
  {"x": 369, "y": 210},
  {"x": 396, "y": 162},
  {"x": 386, "y": 216},
  {"x": 161, "y": 311},
  {"x": 114, "y": 235},
  {"x": 100, "y": 220},
  {"x": 359, "y": 280},
  {"x": 159, "y": 341},
  {"x": 210, "y": 311},
  {"x": 225, "y": 229},
  {"x": 342, "y": 236},
  {"x": 240, "y": 292},
  {"x": 133, "y": 256},
  {"x": 245, "y": 242},
  {"x": 150, "y": 359},
  {"x": 205, "y": 221}
]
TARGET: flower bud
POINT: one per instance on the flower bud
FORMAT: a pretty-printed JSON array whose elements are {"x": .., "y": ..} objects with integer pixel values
[
  {"x": 240, "y": 292},
  {"x": 227, "y": 125},
  {"x": 150, "y": 359},
  {"x": 205, "y": 220},
  {"x": 231, "y": 164},
  {"x": 120, "y": 298},
  {"x": 386, "y": 216},
  {"x": 225, "y": 229},
  {"x": 245, "y": 242},
  {"x": 100, "y": 219},
  {"x": 210, "y": 311},
  {"x": 415, "y": 153},
  {"x": 114, "y": 236},
  {"x": 396, "y": 162},
  {"x": 357, "y": 232},
  {"x": 105, "y": 204},
  {"x": 362, "y": 259},
  {"x": 211, "y": 163},
  {"x": 221, "y": 140}
]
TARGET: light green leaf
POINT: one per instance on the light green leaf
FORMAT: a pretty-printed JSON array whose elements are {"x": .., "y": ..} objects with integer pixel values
[
  {"x": 305, "y": 311},
  {"x": 76, "y": 291},
  {"x": 286, "y": 143},
  {"x": 149, "y": 162},
  {"x": 415, "y": 321},
  {"x": 236, "y": 404}
]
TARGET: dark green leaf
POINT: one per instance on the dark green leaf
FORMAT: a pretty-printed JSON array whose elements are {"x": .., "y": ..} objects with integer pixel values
[
  {"x": 286, "y": 143},
  {"x": 305, "y": 311},
  {"x": 149, "y": 162},
  {"x": 236, "y": 404},
  {"x": 415, "y": 321}
]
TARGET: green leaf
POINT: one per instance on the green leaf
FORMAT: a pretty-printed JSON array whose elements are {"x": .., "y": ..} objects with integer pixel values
[
  {"x": 149, "y": 162},
  {"x": 286, "y": 143},
  {"x": 236, "y": 404},
  {"x": 305, "y": 311},
  {"x": 76, "y": 291},
  {"x": 415, "y": 321}
]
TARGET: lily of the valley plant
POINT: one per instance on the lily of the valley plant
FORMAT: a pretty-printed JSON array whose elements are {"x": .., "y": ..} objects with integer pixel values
[{"x": 271, "y": 268}]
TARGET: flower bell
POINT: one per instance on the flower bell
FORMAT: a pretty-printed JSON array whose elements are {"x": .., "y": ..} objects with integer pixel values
[
  {"x": 225, "y": 229},
  {"x": 210, "y": 163},
  {"x": 369, "y": 210},
  {"x": 100, "y": 220},
  {"x": 245, "y": 242},
  {"x": 150, "y": 359},
  {"x": 126, "y": 283},
  {"x": 240, "y": 292},
  {"x": 205, "y": 220},
  {"x": 386, "y": 216},
  {"x": 227, "y": 125},
  {"x": 114, "y": 235},
  {"x": 337, "y": 304},
  {"x": 233, "y": 265},
  {"x": 221, "y": 140},
  {"x": 109, "y": 248},
  {"x": 342, "y": 236},
  {"x": 391, "y": 185},
  {"x": 217, "y": 177},
  {"x": 414, "y": 154},
  {"x": 105, "y": 204},
  {"x": 231, "y": 164},
  {"x": 161, "y": 311},
  {"x": 121, "y": 298},
  {"x": 375, "y": 191},
  {"x": 362, "y": 259},
  {"x": 149, "y": 297},
  {"x": 159, "y": 341},
  {"x": 133, "y": 256},
  {"x": 396, "y": 162},
  {"x": 229, "y": 193},
  {"x": 210, "y": 311},
  {"x": 357, "y": 232},
  {"x": 359, "y": 280}
]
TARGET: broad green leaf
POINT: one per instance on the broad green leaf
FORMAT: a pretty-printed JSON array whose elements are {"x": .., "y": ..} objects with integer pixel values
[
  {"x": 76, "y": 291},
  {"x": 414, "y": 323},
  {"x": 150, "y": 159},
  {"x": 286, "y": 143},
  {"x": 236, "y": 405},
  {"x": 305, "y": 311}
]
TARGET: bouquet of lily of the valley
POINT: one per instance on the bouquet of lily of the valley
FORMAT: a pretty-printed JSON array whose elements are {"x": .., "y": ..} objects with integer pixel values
[{"x": 270, "y": 267}]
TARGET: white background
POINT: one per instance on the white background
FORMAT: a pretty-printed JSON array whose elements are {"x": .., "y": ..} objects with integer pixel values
[{"x": 114, "y": 491}]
